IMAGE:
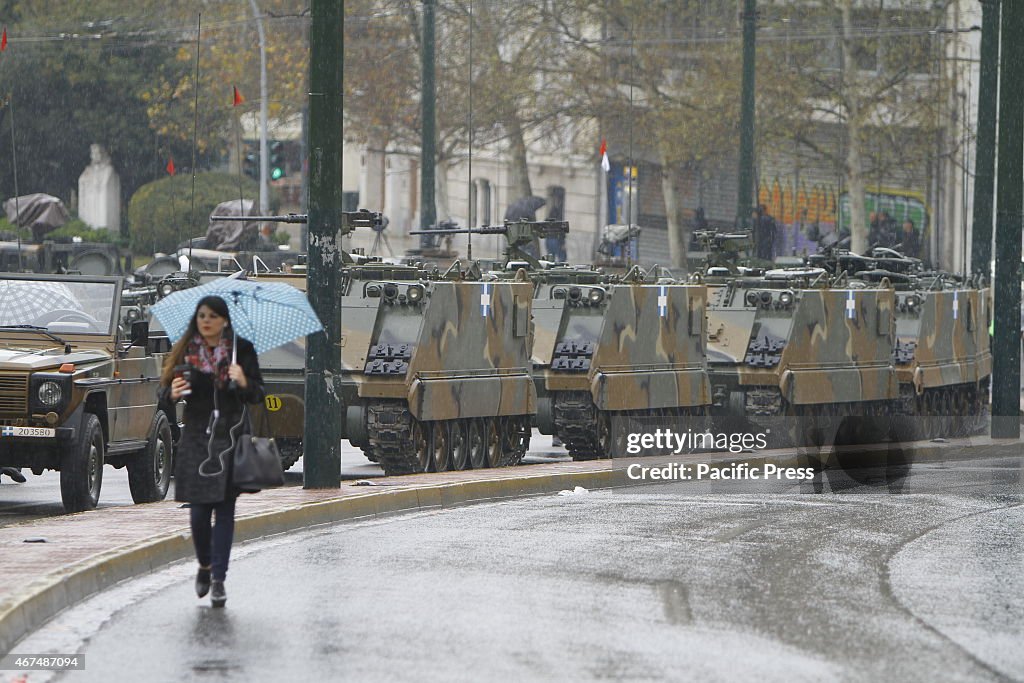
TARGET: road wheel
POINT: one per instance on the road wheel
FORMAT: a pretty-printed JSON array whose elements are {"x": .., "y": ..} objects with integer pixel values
[
  {"x": 291, "y": 450},
  {"x": 458, "y": 444},
  {"x": 421, "y": 445},
  {"x": 439, "y": 446},
  {"x": 81, "y": 467},
  {"x": 477, "y": 445},
  {"x": 493, "y": 432},
  {"x": 149, "y": 472}
]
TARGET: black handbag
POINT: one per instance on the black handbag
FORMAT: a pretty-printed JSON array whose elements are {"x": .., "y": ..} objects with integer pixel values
[{"x": 257, "y": 463}]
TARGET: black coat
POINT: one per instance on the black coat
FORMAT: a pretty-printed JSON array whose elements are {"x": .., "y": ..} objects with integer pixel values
[{"x": 196, "y": 442}]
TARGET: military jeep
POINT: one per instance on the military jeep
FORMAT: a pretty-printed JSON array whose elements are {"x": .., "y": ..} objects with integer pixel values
[{"x": 78, "y": 387}]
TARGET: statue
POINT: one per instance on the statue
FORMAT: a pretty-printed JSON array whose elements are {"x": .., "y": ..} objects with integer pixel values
[{"x": 99, "y": 191}]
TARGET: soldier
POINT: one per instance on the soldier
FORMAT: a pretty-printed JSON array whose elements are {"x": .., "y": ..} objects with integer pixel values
[
  {"x": 910, "y": 244},
  {"x": 764, "y": 233}
]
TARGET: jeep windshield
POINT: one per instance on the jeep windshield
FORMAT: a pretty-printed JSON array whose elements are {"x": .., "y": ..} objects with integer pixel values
[{"x": 58, "y": 305}]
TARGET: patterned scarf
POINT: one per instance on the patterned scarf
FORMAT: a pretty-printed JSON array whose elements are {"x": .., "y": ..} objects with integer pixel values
[{"x": 211, "y": 361}]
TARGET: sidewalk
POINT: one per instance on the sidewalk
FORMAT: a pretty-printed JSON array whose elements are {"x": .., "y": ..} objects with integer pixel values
[{"x": 87, "y": 552}]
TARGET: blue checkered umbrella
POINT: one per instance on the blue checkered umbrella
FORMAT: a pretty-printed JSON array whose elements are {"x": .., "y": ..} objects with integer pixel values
[{"x": 268, "y": 314}]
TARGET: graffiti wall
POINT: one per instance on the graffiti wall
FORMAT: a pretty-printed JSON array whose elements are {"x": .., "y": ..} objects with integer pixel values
[{"x": 822, "y": 208}]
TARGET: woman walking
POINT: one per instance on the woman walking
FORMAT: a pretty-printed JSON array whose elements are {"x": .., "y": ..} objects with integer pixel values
[{"x": 216, "y": 373}]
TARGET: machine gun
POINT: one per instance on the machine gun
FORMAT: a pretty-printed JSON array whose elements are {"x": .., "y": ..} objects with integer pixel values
[
  {"x": 517, "y": 234},
  {"x": 350, "y": 220},
  {"x": 723, "y": 249}
]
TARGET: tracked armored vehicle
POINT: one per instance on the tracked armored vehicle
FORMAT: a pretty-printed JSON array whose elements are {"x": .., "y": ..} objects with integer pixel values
[
  {"x": 606, "y": 346},
  {"x": 797, "y": 343},
  {"x": 941, "y": 354},
  {"x": 435, "y": 366}
]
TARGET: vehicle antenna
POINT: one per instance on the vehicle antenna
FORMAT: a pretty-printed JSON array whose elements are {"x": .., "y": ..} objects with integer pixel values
[
  {"x": 14, "y": 163},
  {"x": 469, "y": 189},
  {"x": 195, "y": 134}
]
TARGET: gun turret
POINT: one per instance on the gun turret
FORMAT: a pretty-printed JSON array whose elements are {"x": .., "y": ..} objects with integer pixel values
[
  {"x": 517, "y": 234},
  {"x": 350, "y": 220},
  {"x": 723, "y": 248}
]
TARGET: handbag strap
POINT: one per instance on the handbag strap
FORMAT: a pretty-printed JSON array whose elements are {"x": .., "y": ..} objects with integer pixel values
[{"x": 264, "y": 422}]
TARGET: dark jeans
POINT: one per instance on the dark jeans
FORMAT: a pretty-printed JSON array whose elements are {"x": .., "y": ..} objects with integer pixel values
[{"x": 214, "y": 547}]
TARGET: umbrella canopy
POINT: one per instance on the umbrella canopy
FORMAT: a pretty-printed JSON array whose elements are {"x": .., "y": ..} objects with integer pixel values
[
  {"x": 524, "y": 208},
  {"x": 23, "y": 302},
  {"x": 268, "y": 314}
]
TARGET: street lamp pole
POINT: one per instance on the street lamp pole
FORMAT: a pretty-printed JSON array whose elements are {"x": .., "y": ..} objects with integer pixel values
[
  {"x": 745, "y": 192},
  {"x": 1009, "y": 215},
  {"x": 985, "y": 151},
  {"x": 323, "y": 416},
  {"x": 264, "y": 152}
]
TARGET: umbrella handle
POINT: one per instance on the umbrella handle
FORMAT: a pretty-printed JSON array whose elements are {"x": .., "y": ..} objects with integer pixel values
[{"x": 233, "y": 385}]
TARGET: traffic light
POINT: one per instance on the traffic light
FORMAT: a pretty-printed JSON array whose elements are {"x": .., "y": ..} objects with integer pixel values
[
  {"x": 251, "y": 164},
  {"x": 277, "y": 166}
]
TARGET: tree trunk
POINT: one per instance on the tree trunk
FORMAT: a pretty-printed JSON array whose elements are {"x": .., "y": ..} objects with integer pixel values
[
  {"x": 854, "y": 168},
  {"x": 678, "y": 237},
  {"x": 519, "y": 171},
  {"x": 441, "y": 191}
]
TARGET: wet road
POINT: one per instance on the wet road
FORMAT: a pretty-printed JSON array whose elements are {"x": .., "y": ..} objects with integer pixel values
[
  {"x": 702, "y": 581},
  {"x": 40, "y": 496}
]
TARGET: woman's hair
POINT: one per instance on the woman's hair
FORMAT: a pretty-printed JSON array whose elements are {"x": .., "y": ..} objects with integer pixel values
[{"x": 177, "y": 354}]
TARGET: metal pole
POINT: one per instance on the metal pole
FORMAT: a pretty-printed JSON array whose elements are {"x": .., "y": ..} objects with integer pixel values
[
  {"x": 264, "y": 152},
  {"x": 1010, "y": 210},
  {"x": 745, "y": 194},
  {"x": 985, "y": 152},
  {"x": 428, "y": 135},
  {"x": 323, "y": 414}
]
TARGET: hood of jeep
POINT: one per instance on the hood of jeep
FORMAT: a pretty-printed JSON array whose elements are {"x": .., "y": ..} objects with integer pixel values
[{"x": 31, "y": 360}]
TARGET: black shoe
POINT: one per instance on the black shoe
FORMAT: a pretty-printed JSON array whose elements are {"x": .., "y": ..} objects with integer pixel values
[
  {"x": 202, "y": 582},
  {"x": 14, "y": 473},
  {"x": 217, "y": 594}
]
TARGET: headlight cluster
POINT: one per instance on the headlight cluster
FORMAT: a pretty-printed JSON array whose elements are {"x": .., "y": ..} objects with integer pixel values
[
  {"x": 50, "y": 393},
  {"x": 910, "y": 303},
  {"x": 392, "y": 293},
  {"x": 767, "y": 298},
  {"x": 589, "y": 296}
]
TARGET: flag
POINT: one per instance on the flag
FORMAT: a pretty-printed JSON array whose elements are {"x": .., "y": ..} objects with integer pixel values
[
  {"x": 3, "y": 40},
  {"x": 170, "y": 166},
  {"x": 238, "y": 97},
  {"x": 604, "y": 156}
]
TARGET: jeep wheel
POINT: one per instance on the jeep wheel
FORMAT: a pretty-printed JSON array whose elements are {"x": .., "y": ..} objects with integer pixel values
[
  {"x": 149, "y": 471},
  {"x": 81, "y": 467}
]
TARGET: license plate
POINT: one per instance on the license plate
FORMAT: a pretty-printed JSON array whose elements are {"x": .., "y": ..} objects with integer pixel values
[{"x": 41, "y": 432}]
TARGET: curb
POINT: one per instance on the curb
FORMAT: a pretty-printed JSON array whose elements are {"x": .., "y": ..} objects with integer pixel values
[{"x": 48, "y": 595}]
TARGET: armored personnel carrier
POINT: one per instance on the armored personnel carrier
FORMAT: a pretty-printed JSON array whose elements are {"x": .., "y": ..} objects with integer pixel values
[
  {"x": 798, "y": 343},
  {"x": 941, "y": 354},
  {"x": 435, "y": 365},
  {"x": 606, "y": 346}
]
